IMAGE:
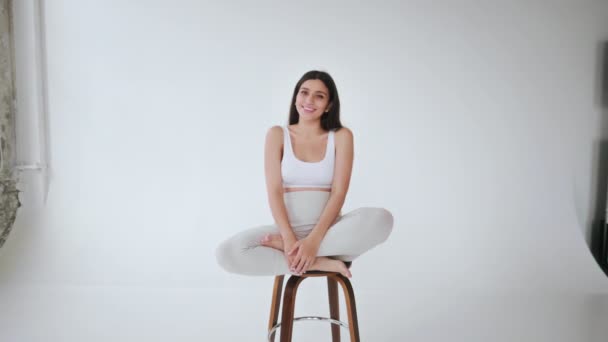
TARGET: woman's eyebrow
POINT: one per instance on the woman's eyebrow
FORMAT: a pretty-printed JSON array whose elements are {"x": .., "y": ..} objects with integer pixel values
[{"x": 318, "y": 91}]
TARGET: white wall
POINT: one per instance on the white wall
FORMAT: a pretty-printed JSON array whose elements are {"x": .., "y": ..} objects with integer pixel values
[{"x": 474, "y": 123}]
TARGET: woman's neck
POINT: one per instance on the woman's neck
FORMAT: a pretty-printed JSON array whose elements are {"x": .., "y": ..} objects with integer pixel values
[{"x": 310, "y": 129}]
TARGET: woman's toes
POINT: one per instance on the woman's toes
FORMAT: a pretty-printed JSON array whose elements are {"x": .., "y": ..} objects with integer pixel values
[
  {"x": 345, "y": 271},
  {"x": 264, "y": 240}
]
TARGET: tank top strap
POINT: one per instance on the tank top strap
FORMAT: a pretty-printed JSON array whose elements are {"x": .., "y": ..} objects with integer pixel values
[{"x": 287, "y": 149}]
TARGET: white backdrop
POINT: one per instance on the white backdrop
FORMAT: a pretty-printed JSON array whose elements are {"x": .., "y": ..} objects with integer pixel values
[{"x": 474, "y": 124}]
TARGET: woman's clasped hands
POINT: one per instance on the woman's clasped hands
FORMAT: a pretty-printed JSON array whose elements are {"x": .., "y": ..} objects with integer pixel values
[{"x": 302, "y": 254}]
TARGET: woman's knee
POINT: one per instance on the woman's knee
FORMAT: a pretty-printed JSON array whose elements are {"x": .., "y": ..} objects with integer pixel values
[
  {"x": 382, "y": 221},
  {"x": 386, "y": 221},
  {"x": 226, "y": 256}
]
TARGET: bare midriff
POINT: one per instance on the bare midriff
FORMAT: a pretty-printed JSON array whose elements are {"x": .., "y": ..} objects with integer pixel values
[{"x": 306, "y": 189}]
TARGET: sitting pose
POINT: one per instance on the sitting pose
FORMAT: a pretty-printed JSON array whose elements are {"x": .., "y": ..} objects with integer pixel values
[{"x": 308, "y": 165}]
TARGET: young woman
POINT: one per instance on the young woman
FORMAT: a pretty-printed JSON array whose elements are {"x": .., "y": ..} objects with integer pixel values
[{"x": 308, "y": 166}]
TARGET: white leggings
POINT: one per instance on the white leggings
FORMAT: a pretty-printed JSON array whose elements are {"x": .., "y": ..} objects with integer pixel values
[{"x": 348, "y": 237}]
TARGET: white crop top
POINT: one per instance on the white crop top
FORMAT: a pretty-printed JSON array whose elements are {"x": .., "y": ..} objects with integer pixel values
[{"x": 297, "y": 173}]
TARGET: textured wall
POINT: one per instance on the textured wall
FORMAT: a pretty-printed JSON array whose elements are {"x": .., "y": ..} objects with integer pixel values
[{"x": 9, "y": 200}]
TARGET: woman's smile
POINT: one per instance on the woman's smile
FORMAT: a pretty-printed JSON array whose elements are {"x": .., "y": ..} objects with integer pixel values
[{"x": 308, "y": 109}]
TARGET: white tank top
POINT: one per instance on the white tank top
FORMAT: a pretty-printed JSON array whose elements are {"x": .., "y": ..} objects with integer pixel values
[{"x": 298, "y": 174}]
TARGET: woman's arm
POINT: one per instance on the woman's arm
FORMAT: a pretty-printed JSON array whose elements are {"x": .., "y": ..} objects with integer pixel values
[
  {"x": 341, "y": 181},
  {"x": 274, "y": 183},
  {"x": 307, "y": 248}
]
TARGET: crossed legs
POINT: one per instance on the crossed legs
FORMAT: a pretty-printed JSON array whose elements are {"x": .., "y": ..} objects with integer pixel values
[{"x": 258, "y": 251}]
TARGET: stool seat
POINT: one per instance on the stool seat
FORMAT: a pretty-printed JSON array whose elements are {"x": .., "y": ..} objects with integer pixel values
[{"x": 289, "y": 299}]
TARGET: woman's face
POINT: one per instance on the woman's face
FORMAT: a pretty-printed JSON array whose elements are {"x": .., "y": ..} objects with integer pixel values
[{"x": 312, "y": 99}]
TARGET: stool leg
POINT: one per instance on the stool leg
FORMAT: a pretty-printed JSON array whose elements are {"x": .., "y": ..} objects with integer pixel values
[
  {"x": 349, "y": 296},
  {"x": 276, "y": 303},
  {"x": 289, "y": 304},
  {"x": 334, "y": 307}
]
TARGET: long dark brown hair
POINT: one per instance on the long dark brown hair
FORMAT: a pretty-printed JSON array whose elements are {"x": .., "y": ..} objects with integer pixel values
[{"x": 329, "y": 120}]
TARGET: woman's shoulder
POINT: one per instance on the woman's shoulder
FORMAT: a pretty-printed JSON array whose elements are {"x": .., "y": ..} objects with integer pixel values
[
  {"x": 275, "y": 133},
  {"x": 275, "y": 129},
  {"x": 343, "y": 133}
]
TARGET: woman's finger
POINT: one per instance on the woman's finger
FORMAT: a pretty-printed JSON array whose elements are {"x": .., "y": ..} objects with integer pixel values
[
  {"x": 294, "y": 248},
  {"x": 297, "y": 268},
  {"x": 301, "y": 264},
  {"x": 297, "y": 258},
  {"x": 304, "y": 267},
  {"x": 295, "y": 261}
]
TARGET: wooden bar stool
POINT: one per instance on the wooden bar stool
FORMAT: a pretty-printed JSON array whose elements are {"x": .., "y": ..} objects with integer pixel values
[{"x": 289, "y": 301}]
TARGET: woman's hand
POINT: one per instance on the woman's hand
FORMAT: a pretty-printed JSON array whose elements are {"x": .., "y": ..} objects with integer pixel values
[
  {"x": 304, "y": 253},
  {"x": 288, "y": 243}
]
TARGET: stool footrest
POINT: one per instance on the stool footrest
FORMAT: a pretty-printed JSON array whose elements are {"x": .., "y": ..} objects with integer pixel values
[{"x": 309, "y": 318}]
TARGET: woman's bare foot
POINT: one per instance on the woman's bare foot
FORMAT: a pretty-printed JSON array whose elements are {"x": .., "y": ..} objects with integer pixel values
[
  {"x": 330, "y": 265},
  {"x": 321, "y": 263},
  {"x": 273, "y": 241}
]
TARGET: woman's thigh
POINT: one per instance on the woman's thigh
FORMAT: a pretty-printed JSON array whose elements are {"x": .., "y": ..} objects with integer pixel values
[
  {"x": 242, "y": 253},
  {"x": 357, "y": 231}
]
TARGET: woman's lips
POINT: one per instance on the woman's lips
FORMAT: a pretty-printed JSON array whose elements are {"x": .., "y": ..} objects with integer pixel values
[{"x": 308, "y": 109}]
